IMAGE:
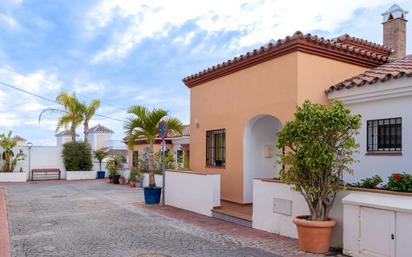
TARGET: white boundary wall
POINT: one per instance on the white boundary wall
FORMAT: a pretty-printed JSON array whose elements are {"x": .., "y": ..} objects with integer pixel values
[
  {"x": 196, "y": 192},
  {"x": 267, "y": 217},
  {"x": 158, "y": 179},
  {"x": 13, "y": 176},
  {"x": 80, "y": 175}
]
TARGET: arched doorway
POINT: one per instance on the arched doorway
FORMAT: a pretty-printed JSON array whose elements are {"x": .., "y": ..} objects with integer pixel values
[{"x": 259, "y": 152}]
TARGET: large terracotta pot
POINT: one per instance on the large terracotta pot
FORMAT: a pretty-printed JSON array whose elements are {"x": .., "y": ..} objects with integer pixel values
[{"x": 314, "y": 236}]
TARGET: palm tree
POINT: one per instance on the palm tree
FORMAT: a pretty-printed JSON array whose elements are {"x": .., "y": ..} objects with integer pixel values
[
  {"x": 144, "y": 123},
  {"x": 10, "y": 159},
  {"x": 88, "y": 111},
  {"x": 71, "y": 115}
]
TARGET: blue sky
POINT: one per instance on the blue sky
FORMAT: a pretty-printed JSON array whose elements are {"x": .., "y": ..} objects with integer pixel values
[{"x": 136, "y": 52}]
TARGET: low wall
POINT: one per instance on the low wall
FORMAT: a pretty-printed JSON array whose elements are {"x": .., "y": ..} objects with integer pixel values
[
  {"x": 13, "y": 176},
  {"x": 79, "y": 175},
  {"x": 158, "y": 179},
  {"x": 196, "y": 192},
  {"x": 275, "y": 204}
]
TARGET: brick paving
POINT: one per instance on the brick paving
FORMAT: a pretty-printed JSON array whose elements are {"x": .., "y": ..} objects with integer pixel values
[{"x": 97, "y": 219}]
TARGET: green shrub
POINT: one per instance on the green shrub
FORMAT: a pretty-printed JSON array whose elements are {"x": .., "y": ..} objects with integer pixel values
[
  {"x": 77, "y": 156},
  {"x": 136, "y": 175},
  {"x": 114, "y": 164},
  {"x": 319, "y": 144},
  {"x": 401, "y": 182},
  {"x": 372, "y": 182}
]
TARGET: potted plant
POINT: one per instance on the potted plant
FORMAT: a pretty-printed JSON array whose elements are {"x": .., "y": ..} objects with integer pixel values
[
  {"x": 122, "y": 180},
  {"x": 113, "y": 166},
  {"x": 144, "y": 123},
  {"x": 100, "y": 155},
  {"x": 318, "y": 147}
]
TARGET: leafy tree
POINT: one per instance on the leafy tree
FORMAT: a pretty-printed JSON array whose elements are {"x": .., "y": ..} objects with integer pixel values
[
  {"x": 71, "y": 114},
  {"x": 319, "y": 144},
  {"x": 87, "y": 113},
  {"x": 100, "y": 155},
  {"x": 144, "y": 123},
  {"x": 77, "y": 156},
  {"x": 7, "y": 142}
]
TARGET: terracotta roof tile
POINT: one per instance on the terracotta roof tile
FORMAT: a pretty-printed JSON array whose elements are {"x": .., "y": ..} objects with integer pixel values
[
  {"x": 100, "y": 129},
  {"x": 344, "y": 48},
  {"x": 396, "y": 69}
]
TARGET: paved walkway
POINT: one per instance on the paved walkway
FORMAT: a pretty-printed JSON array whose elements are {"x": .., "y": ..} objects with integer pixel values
[{"x": 97, "y": 219}]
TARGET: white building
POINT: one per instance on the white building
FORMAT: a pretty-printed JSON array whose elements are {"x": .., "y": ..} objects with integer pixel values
[
  {"x": 383, "y": 97},
  {"x": 99, "y": 136},
  {"x": 64, "y": 137}
]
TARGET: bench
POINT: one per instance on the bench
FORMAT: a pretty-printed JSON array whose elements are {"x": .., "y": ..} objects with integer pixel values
[{"x": 45, "y": 174}]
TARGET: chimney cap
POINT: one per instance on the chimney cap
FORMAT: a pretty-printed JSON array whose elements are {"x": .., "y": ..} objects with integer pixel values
[{"x": 394, "y": 12}]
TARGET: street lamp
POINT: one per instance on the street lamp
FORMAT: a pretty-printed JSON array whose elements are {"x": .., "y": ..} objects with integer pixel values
[{"x": 30, "y": 145}]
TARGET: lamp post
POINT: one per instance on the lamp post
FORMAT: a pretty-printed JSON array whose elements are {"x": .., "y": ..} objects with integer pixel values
[
  {"x": 30, "y": 145},
  {"x": 163, "y": 135}
]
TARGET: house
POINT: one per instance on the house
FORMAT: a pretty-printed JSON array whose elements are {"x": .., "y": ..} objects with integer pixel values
[
  {"x": 64, "y": 137},
  {"x": 20, "y": 140},
  {"x": 238, "y": 106},
  {"x": 383, "y": 98},
  {"x": 98, "y": 136},
  {"x": 178, "y": 144}
]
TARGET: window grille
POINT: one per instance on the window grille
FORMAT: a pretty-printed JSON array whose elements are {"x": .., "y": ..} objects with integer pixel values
[
  {"x": 384, "y": 135},
  {"x": 215, "y": 148}
]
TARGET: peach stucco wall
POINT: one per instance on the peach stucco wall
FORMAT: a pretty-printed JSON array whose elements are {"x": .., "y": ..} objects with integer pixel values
[{"x": 274, "y": 87}]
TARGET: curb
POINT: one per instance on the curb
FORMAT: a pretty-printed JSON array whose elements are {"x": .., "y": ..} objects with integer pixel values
[{"x": 4, "y": 226}]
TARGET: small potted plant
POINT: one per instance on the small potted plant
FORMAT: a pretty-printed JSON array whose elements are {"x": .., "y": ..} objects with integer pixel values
[
  {"x": 318, "y": 147},
  {"x": 132, "y": 178},
  {"x": 122, "y": 180},
  {"x": 100, "y": 155},
  {"x": 113, "y": 166}
]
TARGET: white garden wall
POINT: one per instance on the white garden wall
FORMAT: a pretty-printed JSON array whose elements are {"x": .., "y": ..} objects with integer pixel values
[
  {"x": 158, "y": 179},
  {"x": 80, "y": 175},
  {"x": 390, "y": 99},
  {"x": 13, "y": 176},
  {"x": 196, "y": 192},
  {"x": 275, "y": 205}
]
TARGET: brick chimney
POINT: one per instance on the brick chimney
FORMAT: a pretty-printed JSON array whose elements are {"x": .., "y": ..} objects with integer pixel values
[{"x": 394, "y": 30}]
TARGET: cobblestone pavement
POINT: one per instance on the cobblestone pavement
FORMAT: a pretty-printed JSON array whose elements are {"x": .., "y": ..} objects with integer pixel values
[{"x": 97, "y": 219}]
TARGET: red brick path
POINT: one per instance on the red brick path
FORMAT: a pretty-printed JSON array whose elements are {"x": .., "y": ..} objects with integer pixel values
[{"x": 4, "y": 226}]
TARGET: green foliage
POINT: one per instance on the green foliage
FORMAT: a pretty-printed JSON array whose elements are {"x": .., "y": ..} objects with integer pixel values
[
  {"x": 87, "y": 111},
  {"x": 319, "y": 144},
  {"x": 114, "y": 164},
  {"x": 401, "y": 182},
  {"x": 136, "y": 175},
  {"x": 144, "y": 123},
  {"x": 372, "y": 182},
  {"x": 77, "y": 156},
  {"x": 100, "y": 155},
  {"x": 71, "y": 113},
  {"x": 7, "y": 142}
]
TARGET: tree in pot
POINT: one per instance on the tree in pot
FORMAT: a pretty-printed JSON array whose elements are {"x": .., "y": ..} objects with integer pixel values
[
  {"x": 113, "y": 165},
  {"x": 100, "y": 155},
  {"x": 144, "y": 123},
  {"x": 319, "y": 144}
]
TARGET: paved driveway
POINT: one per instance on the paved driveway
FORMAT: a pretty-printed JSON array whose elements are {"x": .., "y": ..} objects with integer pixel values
[{"x": 96, "y": 219}]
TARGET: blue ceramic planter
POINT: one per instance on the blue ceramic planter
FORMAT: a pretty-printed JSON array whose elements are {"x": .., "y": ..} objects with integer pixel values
[
  {"x": 100, "y": 174},
  {"x": 152, "y": 195}
]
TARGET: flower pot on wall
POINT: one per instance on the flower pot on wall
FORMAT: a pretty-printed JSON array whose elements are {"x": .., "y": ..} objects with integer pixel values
[
  {"x": 152, "y": 195},
  {"x": 314, "y": 236},
  {"x": 115, "y": 179}
]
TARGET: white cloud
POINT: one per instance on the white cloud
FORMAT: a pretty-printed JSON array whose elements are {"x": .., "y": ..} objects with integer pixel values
[
  {"x": 257, "y": 22},
  {"x": 34, "y": 82},
  {"x": 9, "y": 21},
  {"x": 88, "y": 87}
]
